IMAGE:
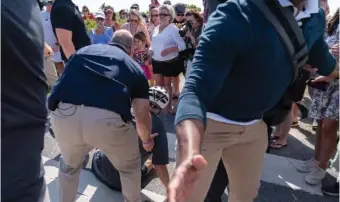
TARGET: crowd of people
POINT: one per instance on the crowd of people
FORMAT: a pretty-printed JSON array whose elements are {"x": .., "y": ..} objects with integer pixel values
[{"x": 107, "y": 85}]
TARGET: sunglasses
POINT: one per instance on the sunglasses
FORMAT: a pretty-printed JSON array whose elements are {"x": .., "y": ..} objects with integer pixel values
[
  {"x": 163, "y": 15},
  {"x": 135, "y": 8},
  {"x": 154, "y": 15},
  {"x": 84, "y": 11},
  {"x": 50, "y": 2},
  {"x": 180, "y": 15},
  {"x": 100, "y": 19},
  {"x": 132, "y": 20},
  {"x": 188, "y": 14}
]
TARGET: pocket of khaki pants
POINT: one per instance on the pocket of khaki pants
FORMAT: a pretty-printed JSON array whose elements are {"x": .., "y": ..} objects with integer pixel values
[{"x": 64, "y": 111}]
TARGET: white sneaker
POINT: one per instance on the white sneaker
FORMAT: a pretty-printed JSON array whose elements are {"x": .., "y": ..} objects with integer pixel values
[
  {"x": 315, "y": 176},
  {"x": 308, "y": 166}
]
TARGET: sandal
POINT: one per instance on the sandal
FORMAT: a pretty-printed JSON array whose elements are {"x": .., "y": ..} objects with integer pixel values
[
  {"x": 277, "y": 145},
  {"x": 295, "y": 124}
]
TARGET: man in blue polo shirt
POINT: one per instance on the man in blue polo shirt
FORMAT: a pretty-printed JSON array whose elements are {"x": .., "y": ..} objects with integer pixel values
[
  {"x": 240, "y": 70},
  {"x": 90, "y": 106}
]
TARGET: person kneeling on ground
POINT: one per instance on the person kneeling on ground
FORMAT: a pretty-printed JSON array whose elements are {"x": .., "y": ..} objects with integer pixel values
[{"x": 107, "y": 173}]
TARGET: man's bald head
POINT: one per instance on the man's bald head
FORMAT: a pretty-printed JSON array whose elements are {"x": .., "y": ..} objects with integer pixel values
[{"x": 124, "y": 38}]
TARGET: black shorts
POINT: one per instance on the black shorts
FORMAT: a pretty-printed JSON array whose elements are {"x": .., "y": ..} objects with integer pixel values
[{"x": 170, "y": 68}]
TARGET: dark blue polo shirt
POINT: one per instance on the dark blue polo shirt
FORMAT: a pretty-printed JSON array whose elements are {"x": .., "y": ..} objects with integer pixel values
[{"x": 101, "y": 76}]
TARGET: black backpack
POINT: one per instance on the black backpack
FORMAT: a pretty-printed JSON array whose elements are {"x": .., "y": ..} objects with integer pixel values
[{"x": 291, "y": 36}]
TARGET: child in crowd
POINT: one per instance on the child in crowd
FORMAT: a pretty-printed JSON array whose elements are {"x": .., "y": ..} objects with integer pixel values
[{"x": 141, "y": 54}]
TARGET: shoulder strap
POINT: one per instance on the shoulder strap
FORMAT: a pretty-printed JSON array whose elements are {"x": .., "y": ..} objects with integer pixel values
[{"x": 288, "y": 29}]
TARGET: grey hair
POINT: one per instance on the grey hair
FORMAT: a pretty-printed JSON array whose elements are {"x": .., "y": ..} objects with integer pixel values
[
  {"x": 124, "y": 38},
  {"x": 170, "y": 9}
]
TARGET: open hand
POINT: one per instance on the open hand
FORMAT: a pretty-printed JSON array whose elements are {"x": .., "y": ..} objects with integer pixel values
[
  {"x": 319, "y": 79},
  {"x": 184, "y": 178}
]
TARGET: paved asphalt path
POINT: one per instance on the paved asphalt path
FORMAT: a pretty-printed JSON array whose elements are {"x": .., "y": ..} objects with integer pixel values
[{"x": 300, "y": 146}]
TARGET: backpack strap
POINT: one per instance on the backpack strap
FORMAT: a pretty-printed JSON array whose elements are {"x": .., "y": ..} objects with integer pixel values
[{"x": 291, "y": 35}]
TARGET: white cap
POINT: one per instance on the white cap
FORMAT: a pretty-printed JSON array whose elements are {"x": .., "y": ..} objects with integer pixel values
[{"x": 99, "y": 14}]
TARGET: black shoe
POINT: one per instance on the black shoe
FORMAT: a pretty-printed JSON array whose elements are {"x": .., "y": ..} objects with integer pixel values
[{"x": 331, "y": 190}]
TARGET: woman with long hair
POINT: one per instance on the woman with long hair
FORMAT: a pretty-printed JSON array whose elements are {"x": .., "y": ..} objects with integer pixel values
[
  {"x": 194, "y": 28},
  {"x": 136, "y": 25},
  {"x": 110, "y": 19},
  {"x": 154, "y": 20},
  {"x": 325, "y": 109},
  {"x": 86, "y": 13},
  {"x": 166, "y": 44}
]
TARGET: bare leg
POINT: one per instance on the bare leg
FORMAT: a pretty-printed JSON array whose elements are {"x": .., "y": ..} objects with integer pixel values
[
  {"x": 176, "y": 85},
  {"x": 295, "y": 111},
  {"x": 159, "y": 81},
  {"x": 318, "y": 140},
  {"x": 328, "y": 142},
  {"x": 167, "y": 86},
  {"x": 163, "y": 174},
  {"x": 152, "y": 81},
  {"x": 284, "y": 129}
]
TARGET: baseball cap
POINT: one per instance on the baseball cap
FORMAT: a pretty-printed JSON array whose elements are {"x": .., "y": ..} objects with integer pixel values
[
  {"x": 179, "y": 8},
  {"x": 99, "y": 14}
]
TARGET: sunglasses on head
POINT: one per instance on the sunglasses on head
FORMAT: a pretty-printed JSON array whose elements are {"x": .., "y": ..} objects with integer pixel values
[
  {"x": 163, "y": 15},
  {"x": 180, "y": 14}
]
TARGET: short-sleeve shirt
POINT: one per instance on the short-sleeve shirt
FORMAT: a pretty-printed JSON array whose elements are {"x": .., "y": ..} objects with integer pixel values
[
  {"x": 103, "y": 38},
  {"x": 102, "y": 76},
  {"x": 141, "y": 56},
  {"x": 66, "y": 15}
]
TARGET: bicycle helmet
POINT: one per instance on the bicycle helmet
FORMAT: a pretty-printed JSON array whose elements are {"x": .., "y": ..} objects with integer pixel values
[{"x": 159, "y": 97}]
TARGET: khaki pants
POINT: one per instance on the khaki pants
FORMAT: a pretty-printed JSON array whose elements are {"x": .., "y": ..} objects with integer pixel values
[
  {"x": 50, "y": 71},
  {"x": 79, "y": 129},
  {"x": 242, "y": 149}
]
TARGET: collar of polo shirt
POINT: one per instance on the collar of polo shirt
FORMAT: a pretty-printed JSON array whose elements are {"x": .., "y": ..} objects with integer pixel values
[
  {"x": 119, "y": 46},
  {"x": 312, "y": 7}
]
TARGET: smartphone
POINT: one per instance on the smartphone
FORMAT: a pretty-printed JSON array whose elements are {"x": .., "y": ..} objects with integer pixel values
[{"x": 319, "y": 85}]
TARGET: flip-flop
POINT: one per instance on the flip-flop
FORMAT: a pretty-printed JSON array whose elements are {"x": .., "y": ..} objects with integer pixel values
[{"x": 276, "y": 145}]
